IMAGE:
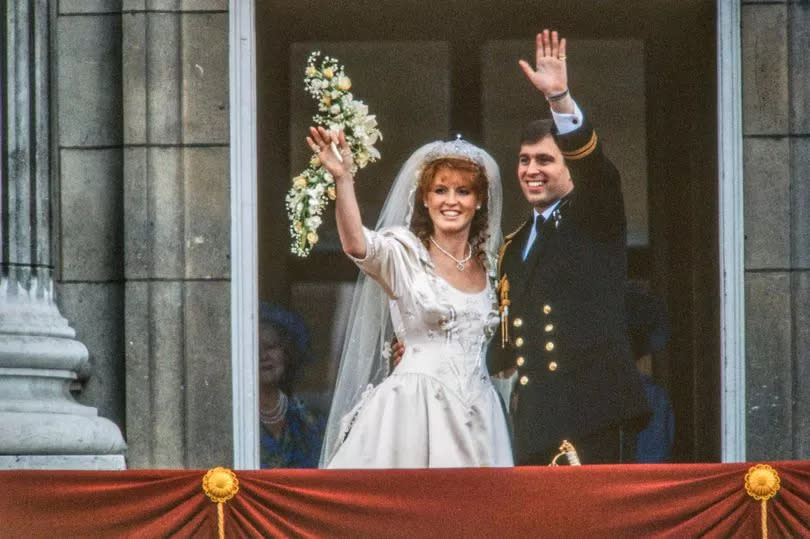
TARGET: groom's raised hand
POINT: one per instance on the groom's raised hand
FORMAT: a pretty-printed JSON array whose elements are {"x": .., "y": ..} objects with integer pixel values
[{"x": 550, "y": 74}]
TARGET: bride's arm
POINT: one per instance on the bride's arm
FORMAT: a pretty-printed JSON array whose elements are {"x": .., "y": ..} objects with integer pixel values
[
  {"x": 387, "y": 256},
  {"x": 347, "y": 211}
]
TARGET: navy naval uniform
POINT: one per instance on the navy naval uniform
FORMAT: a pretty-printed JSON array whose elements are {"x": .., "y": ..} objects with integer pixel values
[{"x": 566, "y": 330}]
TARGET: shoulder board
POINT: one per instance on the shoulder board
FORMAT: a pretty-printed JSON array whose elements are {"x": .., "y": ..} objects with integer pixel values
[
  {"x": 506, "y": 242},
  {"x": 514, "y": 232}
]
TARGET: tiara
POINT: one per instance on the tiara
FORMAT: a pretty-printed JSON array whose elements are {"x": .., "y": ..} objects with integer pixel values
[{"x": 456, "y": 148}]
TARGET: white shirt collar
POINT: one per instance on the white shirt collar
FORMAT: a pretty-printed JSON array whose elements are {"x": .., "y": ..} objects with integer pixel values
[{"x": 547, "y": 212}]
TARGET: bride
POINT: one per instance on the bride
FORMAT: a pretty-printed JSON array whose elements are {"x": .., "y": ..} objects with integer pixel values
[{"x": 427, "y": 278}]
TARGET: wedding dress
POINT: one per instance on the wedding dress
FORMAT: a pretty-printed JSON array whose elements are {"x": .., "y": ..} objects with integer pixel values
[{"x": 438, "y": 407}]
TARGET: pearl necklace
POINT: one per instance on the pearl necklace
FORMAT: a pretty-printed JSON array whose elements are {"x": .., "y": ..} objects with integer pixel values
[
  {"x": 459, "y": 263},
  {"x": 277, "y": 413}
]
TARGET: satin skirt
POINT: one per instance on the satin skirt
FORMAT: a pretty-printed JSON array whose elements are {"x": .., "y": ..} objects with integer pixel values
[{"x": 416, "y": 420}]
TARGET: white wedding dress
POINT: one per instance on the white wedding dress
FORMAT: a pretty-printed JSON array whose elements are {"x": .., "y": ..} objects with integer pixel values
[{"x": 438, "y": 408}]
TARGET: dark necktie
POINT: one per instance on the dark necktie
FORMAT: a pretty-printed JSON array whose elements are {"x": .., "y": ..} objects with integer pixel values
[{"x": 538, "y": 228}]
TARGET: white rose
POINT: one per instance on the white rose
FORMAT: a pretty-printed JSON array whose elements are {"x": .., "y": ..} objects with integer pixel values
[
  {"x": 344, "y": 83},
  {"x": 370, "y": 121}
]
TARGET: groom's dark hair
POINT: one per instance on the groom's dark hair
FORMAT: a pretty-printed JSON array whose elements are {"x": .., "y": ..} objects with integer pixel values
[{"x": 537, "y": 131}]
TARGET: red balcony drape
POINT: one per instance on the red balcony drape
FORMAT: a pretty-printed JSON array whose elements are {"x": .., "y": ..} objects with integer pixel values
[{"x": 675, "y": 500}]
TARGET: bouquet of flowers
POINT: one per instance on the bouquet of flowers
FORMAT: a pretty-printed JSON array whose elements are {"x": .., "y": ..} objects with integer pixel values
[{"x": 312, "y": 189}]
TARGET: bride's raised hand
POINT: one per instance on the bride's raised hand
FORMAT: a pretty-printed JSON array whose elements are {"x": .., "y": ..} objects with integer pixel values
[
  {"x": 551, "y": 73},
  {"x": 333, "y": 152}
]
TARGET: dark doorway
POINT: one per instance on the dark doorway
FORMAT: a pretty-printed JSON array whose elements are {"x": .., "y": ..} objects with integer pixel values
[{"x": 677, "y": 253}]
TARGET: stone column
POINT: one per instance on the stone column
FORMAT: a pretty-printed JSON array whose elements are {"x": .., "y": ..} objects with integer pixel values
[{"x": 41, "y": 425}]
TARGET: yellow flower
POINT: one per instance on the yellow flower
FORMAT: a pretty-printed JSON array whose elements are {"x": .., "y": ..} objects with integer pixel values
[
  {"x": 312, "y": 237},
  {"x": 362, "y": 159},
  {"x": 328, "y": 73},
  {"x": 299, "y": 182},
  {"x": 310, "y": 71},
  {"x": 344, "y": 83},
  {"x": 330, "y": 192},
  {"x": 326, "y": 100},
  {"x": 315, "y": 162},
  {"x": 298, "y": 227}
]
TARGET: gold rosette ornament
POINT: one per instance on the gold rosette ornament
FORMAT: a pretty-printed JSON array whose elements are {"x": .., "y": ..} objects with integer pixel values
[
  {"x": 220, "y": 485},
  {"x": 762, "y": 484}
]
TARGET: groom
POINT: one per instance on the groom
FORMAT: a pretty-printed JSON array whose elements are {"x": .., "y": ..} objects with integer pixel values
[{"x": 561, "y": 283}]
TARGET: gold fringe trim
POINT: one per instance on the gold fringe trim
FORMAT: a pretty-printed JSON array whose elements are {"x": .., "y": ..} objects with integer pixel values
[
  {"x": 584, "y": 151},
  {"x": 762, "y": 483},
  {"x": 220, "y": 485},
  {"x": 503, "y": 292}
]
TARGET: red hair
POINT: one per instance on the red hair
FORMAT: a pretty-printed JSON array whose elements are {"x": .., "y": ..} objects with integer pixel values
[{"x": 422, "y": 224}]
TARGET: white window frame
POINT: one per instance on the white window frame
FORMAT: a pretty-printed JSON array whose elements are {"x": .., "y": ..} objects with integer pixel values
[
  {"x": 730, "y": 222},
  {"x": 244, "y": 233}
]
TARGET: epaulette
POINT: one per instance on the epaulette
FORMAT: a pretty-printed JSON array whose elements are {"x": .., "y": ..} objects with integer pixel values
[
  {"x": 583, "y": 151},
  {"x": 501, "y": 252},
  {"x": 506, "y": 241},
  {"x": 514, "y": 232}
]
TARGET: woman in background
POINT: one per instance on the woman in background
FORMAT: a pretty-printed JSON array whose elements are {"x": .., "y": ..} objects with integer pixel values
[{"x": 291, "y": 435}]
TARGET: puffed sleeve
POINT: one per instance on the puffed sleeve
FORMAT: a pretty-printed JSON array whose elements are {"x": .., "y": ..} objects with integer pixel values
[{"x": 392, "y": 254}]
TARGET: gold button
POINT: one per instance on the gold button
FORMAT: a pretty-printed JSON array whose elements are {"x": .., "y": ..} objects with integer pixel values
[
  {"x": 520, "y": 361},
  {"x": 549, "y": 328},
  {"x": 519, "y": 342},
  {"x": 547, "y": 309},
  {"x": 524, "y": 380},
  {"x": 517, "y": 322},
  {"x": 552, "y": 366},
  {"x": 549, "y": 346}
]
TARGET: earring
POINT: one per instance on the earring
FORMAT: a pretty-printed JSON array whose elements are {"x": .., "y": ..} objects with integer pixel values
[
  {"x": 478, "y": 207},
  {"x": 424, "y": 204}
]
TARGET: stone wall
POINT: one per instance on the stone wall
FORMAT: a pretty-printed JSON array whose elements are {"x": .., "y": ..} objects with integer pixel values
[
  {"x": 176, "y": 236},
  {"x": 144, "y": 224},
  {"x": 776, "y": 146}
]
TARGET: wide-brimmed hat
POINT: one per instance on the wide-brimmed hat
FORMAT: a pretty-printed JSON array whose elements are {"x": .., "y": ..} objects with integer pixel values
[{"x": 292, "y": 323}]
